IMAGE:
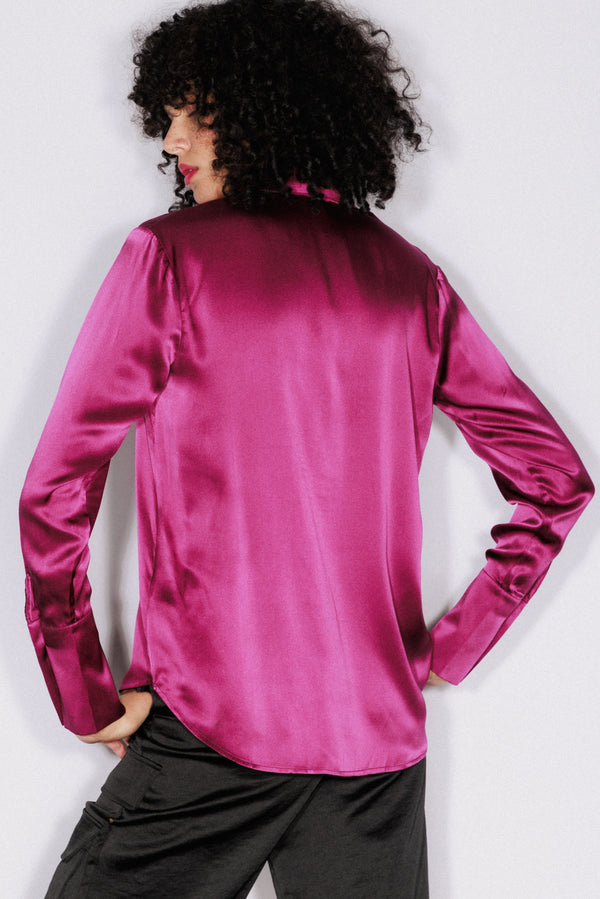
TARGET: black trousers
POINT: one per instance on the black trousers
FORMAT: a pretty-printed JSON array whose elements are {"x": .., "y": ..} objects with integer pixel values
[{"x": 177, "y": 819}]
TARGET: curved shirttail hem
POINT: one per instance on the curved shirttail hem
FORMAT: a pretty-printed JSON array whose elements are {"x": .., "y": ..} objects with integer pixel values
[{"x": 378, "y": 769}]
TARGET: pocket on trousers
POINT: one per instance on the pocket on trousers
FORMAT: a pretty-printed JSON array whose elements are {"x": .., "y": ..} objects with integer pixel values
[
  {"x": 128, "y": 783},
  {"x": 123, "y": 791},
  {"x": 88, "y": 831},
  {"x": 79, "y": 857}
]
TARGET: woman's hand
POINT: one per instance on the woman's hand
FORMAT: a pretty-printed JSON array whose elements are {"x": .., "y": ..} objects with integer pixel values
[
  {"x": 434, "y": 681},
  {"x": 115, "y": 735}
]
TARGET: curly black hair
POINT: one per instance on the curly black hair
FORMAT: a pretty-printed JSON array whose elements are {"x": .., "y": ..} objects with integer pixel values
[{"x": 298, "y": 88}]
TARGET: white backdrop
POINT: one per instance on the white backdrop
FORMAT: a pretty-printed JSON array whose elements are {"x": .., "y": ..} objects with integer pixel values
[{"x": 507, "y": 202}]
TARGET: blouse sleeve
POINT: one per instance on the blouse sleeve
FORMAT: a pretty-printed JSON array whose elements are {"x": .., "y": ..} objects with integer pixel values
[
  {"x": 535, "y": 467},
  {"x": 118, "y": 367}
]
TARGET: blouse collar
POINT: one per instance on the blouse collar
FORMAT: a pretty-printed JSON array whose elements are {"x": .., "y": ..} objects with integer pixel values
[{"x": 301, "y": 189}]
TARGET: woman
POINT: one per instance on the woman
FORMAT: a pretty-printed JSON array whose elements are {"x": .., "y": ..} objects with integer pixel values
[{"x": 280, "y": 350}]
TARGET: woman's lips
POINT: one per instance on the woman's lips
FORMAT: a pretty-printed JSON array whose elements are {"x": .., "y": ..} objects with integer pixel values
[{"x": 188, "y": 172}]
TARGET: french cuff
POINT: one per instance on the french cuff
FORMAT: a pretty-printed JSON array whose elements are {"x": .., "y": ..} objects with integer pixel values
[
  {"x": 76, "y": 674},
  {"x": 463, "y": 636}
]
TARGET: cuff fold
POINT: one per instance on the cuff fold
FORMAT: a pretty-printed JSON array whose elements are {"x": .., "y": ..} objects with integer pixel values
[
  {"x": 77, "y": 674},
  {"x": 463, "y": 636}
]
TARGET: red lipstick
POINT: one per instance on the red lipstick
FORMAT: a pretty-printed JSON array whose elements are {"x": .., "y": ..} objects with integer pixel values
[{"x": 187, "y": 171}]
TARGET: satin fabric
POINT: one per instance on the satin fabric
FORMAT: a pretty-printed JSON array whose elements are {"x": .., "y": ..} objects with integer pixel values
[{"x": 282, "y": 369}]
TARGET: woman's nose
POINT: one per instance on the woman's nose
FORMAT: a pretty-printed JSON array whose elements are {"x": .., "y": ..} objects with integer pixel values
[{"x": 175, "y": 140}]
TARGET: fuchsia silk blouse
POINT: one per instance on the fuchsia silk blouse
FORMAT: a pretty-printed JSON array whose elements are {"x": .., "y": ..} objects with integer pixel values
[{"x": 282, "y": 369}]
